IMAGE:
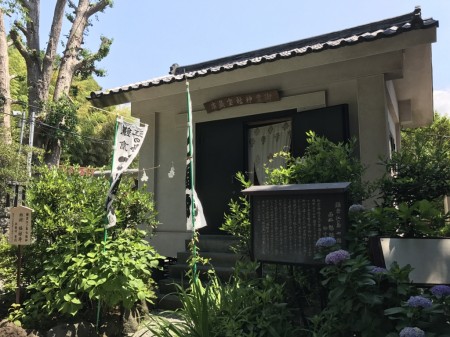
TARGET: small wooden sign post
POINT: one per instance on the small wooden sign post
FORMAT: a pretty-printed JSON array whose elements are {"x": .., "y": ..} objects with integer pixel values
[{"x": 20, "y": 235}]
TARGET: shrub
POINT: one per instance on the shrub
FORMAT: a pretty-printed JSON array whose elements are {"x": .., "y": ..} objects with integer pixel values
[
  {"x": 421, "y": 169},
  {"x": 357, "y": 294},
  {"x": 421, "y": 219},
  {"x": 237, "y": 221},
  {"x": 323, "y": 162},
  {"x": 427, "y": 312},
  {"x": 7, "y": 265},
  {"x": 250, "y": 307},
  {"x": 74, "y": 263}
]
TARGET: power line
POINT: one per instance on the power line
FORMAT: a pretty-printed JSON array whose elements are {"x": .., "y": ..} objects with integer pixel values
[
  {"x": 130, "y": 118},
  {"x": 99, "y": 140}
]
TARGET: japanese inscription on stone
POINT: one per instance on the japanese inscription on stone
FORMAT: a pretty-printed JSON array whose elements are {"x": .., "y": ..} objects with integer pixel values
[
  {"x": 20, "y": 226},
  {"x": 288, "y": 220}
]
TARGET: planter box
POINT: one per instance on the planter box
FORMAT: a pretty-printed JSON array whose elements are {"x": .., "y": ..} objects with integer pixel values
[{"x": 430, "y": 257}]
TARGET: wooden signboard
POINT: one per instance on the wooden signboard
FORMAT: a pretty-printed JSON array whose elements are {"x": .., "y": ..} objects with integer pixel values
[
  {"x": 20, "y": 226},
  {"x": 287, "y": 220},
  {"x": 232, "y": 101}
]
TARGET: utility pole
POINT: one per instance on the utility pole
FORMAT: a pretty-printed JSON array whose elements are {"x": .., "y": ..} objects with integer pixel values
[{"x": 22, "y": 126}]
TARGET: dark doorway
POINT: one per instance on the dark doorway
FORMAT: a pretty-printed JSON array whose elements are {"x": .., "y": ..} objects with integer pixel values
[
  {"x": 219, "y": 155},
  {"x": 221, "y": 151}
]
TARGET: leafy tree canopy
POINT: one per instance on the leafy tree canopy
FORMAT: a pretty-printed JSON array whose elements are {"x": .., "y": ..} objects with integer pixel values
[{"x": 421, "y": 169}]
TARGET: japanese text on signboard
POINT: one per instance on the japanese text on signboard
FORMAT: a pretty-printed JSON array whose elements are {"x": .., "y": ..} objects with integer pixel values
[
  {"x": 20, "y": 226},
  {"x": 232, "y": 101}
]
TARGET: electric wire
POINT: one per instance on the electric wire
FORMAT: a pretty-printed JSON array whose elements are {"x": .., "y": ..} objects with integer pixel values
[{"x": 98, "y": 140}]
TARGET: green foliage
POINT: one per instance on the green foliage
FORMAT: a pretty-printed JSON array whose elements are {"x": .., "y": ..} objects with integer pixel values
[
  {"x": 73, "y": 266},
  {"x": 367, "y": 301},
  {"x": 93, "y": 146},
  {"x": 421, "y": 169},
  {"x": 323, "y": 162},
  {"x": 17, "y": 69},
  {"x": 254, "y": 308},
  {"x": 237, "y": 221},
  {"x": 117, "y": 272},
  {"x": 62, "y": 115},
  {"x": 433, "y": 320},
  {"x": 243, "y": 307},
  {"x": 199, "y": 304},
  {"x": 358, "y": 296},
  {"x": 195, "y": 259},
  {"x": 135, "y": 208},
  {"x": 421, "y": 219},
  {"x": 92, "y": 143},
  {"x": 12, "y": 165},
  {"x": 7, "y": 265},
  {"x": 87, "y": 67}
]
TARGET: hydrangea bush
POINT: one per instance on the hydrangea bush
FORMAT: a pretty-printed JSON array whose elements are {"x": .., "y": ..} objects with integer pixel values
[
  {"x": 420, "y": 315},
  {"x": 372, "y": 301},
  {"x": 412, "y": 332}
]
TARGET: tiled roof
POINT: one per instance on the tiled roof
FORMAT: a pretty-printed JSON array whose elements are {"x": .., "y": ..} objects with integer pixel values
[{"x": 365, "y": 33}]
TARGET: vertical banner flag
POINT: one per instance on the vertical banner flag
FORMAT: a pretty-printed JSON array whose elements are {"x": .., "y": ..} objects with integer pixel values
[
  {"x": 127, "y": 143},
  {"x": 195, "y": 218}
]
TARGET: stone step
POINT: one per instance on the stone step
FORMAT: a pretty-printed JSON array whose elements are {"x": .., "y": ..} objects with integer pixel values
[
  {"x": 217, "y": 248},
  {"x": 170, "y": 285},
  {"x": 214, "y": 243},
  {"x": 178, "y": 271}
]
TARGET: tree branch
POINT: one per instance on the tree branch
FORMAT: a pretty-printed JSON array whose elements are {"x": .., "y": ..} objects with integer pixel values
[
  {"x": 87, "y": 66},
  {"x": 98, "y": 7},
  {"x": 19, "y": 26},
  {"x": 19, "y": 45},
  {"x": 72, "y": 4},
  {"x": 25, "y": 3},
  {"x": 55, "y": 32}
]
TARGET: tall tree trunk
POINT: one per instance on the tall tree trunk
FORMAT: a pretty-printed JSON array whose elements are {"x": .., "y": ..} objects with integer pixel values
[
  {"x": 40, "y": 67},
  {"x": 70, "y": 62},
  {"x": 53, "y": 155},
  {"x": 5, "y": 92}
]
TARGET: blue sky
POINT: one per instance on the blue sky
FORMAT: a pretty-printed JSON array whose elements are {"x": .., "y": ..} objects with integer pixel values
[{"x": 150, "y": 35}]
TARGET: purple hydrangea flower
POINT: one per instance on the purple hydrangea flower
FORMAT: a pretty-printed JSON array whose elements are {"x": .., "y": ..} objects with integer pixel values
[
  {"x": 356, "y": 208},
  {"x": 412, "y": 332},
  {"x": 440, "y": 291},
  {"x": 337, "y": 257},
  {"x": 378, "y": 270},
  {"x": 419, "y": 302},
  {"x": 327, "y": 241}
]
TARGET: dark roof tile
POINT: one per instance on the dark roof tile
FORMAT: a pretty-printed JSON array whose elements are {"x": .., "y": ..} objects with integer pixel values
[{"x": 365, "y": 33}]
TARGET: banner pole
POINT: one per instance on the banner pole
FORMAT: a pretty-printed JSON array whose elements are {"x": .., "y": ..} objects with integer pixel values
[
  {"x": 105, "y": 229},
  {"x": 191, "y": 171}
]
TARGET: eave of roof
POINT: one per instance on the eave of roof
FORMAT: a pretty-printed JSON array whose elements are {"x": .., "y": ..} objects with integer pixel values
[{"x": 366, "y": 33}]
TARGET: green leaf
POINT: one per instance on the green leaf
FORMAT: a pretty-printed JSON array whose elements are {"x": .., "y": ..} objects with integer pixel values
[{"x": 393, "y": 311}]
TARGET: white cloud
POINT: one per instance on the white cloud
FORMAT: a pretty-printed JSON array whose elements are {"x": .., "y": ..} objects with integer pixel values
[{"x": 442, "y": 102}]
